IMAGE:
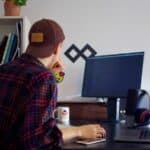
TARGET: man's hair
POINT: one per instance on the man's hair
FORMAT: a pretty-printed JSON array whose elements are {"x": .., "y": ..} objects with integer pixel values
[{"x": 44, "y": 36}]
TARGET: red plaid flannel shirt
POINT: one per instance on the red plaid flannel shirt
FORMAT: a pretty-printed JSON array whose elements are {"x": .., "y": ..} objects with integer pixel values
[{"x": 28, "y": 94}]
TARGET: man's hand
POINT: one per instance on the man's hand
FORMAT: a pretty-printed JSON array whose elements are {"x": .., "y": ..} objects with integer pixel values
[
  {"x": 91, "y": 132},
  {"x": 84, "y": 132},
  {"x": 57, "y": 64}
]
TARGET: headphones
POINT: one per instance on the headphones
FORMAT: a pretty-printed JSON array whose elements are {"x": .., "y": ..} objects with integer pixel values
[{"x": 138, "y": 105}]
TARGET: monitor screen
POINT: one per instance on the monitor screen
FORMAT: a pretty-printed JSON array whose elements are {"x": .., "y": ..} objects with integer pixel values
[{"x": 112, "y": 75}]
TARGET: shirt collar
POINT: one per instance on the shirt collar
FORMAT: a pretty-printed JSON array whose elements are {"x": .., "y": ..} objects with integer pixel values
[{"x": 31, "y": 59}]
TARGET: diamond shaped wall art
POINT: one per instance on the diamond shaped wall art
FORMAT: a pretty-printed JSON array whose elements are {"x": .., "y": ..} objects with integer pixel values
[{"x": 73, "y": 52}]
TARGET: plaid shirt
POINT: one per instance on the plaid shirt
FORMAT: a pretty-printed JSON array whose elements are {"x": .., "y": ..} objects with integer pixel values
[{"x": 28, "y": 94}]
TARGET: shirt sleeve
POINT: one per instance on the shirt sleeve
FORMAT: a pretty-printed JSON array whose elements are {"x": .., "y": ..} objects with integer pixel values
[{"x": 39, "y": 130}]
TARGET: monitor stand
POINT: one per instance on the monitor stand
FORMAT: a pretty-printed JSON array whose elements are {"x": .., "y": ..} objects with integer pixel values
[{"x": 113, "y": 108}]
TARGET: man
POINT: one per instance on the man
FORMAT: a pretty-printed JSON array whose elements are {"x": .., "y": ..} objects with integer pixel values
[{"x": 29, "y": 92}]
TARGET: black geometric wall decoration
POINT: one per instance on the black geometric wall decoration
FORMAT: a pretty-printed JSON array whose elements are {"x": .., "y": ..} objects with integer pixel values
[
  {"x": 69, "y": 51},
  {"x": 88, "y": 48},
  {"x": 79, "y": 53}
]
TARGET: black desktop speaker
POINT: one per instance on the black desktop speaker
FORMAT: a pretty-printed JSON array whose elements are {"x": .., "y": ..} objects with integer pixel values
[{"x": 138, "y": 105}]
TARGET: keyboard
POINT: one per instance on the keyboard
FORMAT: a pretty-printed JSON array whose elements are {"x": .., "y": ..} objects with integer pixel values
[{"x": 88, "y": 142}]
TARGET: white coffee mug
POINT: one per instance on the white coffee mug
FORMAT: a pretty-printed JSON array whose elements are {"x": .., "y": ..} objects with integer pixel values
[{"x": 62, "y": 114}]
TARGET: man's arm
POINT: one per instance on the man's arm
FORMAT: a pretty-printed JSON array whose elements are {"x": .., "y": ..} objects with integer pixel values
[
  {"x": 39, "y": 128},
  {"x": 90, "y": 132}
]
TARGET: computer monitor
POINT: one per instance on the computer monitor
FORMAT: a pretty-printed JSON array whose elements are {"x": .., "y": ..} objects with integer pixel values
[{"x": 112, "y": 75}]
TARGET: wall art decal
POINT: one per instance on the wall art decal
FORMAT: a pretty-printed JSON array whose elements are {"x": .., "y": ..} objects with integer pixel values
[{"x": 73, "y": 52}]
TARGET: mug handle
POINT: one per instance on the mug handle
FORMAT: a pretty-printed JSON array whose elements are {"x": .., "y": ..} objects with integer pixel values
[{"x": 54, "y": 114}]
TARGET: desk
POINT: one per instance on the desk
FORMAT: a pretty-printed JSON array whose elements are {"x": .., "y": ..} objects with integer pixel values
[{"x": 109, "y": 144}]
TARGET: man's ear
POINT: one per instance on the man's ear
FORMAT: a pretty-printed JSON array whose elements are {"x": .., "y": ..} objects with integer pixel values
[{"x": 57, "y": 49}]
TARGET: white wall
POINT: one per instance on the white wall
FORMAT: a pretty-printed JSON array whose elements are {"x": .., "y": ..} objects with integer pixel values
[{"x": 109, "y": 26}]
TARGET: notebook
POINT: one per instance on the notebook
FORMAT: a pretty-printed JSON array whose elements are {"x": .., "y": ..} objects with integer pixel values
[{"x": 135, "y": 134}]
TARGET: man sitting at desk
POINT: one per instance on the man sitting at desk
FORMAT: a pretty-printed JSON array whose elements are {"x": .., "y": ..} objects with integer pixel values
[{"x": 29, "y": 92}]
